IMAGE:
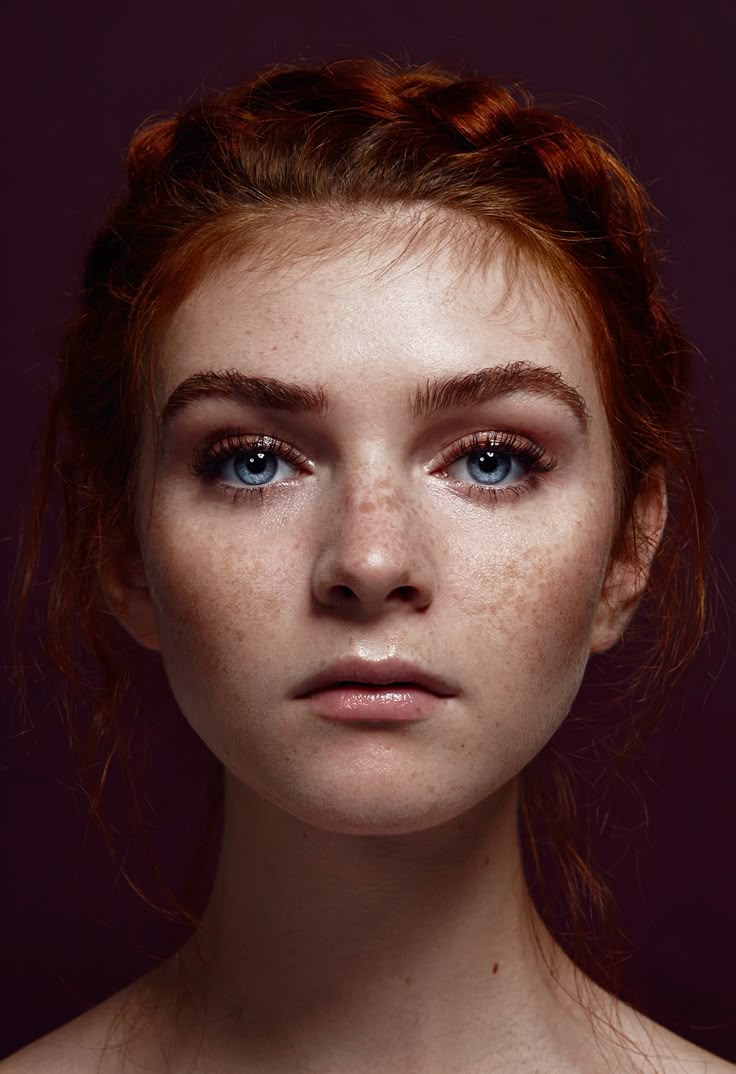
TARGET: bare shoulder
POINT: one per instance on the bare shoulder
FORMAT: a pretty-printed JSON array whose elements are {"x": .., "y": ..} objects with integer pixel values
[
  {"x": 99, "y": 1042},
  {"x": 88, "y": 1044},
  {"x": 612, "y": 1037},
  {"x": 74, "y": 1048},
  {"x": 688, "y": 1058},
  {"x": 657, "y": 1050}
]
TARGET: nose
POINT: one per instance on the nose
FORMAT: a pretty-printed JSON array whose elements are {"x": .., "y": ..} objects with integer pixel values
[{"x": 376, "y": 552}]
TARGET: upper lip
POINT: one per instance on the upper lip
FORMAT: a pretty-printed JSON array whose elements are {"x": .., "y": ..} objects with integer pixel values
[{"x": 376, "y": 672}]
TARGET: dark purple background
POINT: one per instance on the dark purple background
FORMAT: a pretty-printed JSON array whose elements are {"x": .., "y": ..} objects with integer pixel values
[{"x": 656, "y": 78}]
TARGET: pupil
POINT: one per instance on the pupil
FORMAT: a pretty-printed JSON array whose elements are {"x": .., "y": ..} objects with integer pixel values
[{"x": 256, "y": 462}]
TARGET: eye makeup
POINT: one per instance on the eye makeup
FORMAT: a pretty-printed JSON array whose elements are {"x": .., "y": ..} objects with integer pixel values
[{"x": 511, "y": 463}]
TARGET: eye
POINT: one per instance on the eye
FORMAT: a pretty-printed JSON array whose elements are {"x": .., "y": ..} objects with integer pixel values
[
  {"x": 254, "y": 466},
  {"x": 245, "y": 466},
  {"x": 495, "y": 464},
  {"x": 488, "y": 465}
]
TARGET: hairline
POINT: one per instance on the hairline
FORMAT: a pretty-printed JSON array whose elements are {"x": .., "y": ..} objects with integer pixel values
[{"x": 477, "y": 241}]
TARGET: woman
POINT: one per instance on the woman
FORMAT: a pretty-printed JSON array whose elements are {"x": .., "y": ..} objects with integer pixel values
[{"x": 371, "y": 418}]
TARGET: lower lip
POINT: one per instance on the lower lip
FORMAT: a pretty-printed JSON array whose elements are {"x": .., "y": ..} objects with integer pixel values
[{"x": 359, "y": 703}]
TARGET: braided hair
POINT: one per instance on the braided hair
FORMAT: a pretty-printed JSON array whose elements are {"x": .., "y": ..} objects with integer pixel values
[{"x": 297, "y": 143}]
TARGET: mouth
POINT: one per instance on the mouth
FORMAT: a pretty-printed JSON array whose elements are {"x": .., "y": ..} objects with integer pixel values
[
  {"x": 352, "y": 701},
  {"x": 376, "y": 678}
]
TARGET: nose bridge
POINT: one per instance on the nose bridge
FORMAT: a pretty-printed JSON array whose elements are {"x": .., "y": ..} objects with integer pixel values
[
  {"x": 378, "y": 510},
  {"x": 375, "y": 542}
]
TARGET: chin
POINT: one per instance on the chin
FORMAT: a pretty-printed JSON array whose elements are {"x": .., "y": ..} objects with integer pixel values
[{"x": 374, "y": 810}]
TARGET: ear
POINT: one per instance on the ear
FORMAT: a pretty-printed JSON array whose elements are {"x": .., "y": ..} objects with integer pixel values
[
  {"x": 125, "y": 588},
  {"x": 628, "y": 571}
]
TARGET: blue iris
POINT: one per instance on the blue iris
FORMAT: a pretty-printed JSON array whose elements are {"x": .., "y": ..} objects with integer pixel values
[
  {"x": 258, "y": 461},
  {"x": 494, "y": 466}
]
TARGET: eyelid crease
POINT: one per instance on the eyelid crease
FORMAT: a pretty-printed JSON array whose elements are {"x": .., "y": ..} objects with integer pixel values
[
  {"x": 511, "y": 442},
  {"x": 225, "y": 444}
]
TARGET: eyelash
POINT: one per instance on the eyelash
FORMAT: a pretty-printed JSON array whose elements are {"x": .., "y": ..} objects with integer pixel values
[{"x": 218, "y": 449}]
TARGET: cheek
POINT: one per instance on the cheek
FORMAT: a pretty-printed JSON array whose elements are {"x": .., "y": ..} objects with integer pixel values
[
  {"x": 221, "y": 606},
  {"x": 527, "y": 611},
  {"x": 540, "y": 598}
]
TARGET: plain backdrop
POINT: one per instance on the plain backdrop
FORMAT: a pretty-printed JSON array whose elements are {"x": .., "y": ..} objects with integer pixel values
[{"x": 656, "y": 79}]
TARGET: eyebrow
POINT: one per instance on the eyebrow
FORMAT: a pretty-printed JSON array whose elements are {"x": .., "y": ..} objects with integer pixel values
[{"x": 436, "y": 396}]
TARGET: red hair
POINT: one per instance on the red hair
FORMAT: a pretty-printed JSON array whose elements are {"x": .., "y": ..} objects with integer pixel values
[{"x": 299, "y": 141}]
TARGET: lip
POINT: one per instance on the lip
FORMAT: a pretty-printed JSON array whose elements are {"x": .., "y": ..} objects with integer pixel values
[
  {"x": 362, "y": 703},
  {"x": 403, "y": 676}
]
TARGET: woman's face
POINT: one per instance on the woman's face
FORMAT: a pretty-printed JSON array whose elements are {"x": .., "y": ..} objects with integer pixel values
[{"x": 365, "y": 539}]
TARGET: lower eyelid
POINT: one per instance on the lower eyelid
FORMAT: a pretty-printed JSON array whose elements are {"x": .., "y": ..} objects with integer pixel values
[
  {"x": 489, "y": 494},
  {"x": 531, "y": 456}
]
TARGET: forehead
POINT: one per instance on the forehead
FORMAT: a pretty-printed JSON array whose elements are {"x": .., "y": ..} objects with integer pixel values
[{"x": 371, "y": 304}]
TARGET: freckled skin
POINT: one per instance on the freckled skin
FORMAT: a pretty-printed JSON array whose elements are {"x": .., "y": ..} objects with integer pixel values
[
  {"x": 371, "y": 553},
  {"x": 369, "y": 909}
]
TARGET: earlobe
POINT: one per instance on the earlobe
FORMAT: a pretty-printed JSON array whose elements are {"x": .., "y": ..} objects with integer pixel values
[
  {"x": 125, "y": 587},
  {"x": 628, "y": 572}
]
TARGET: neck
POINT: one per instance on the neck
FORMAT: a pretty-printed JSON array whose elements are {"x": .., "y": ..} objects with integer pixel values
[{"x": 419, "y": 951}]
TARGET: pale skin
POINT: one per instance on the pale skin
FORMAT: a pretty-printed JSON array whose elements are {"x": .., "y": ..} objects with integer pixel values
[{"x": 369, "y": 911}]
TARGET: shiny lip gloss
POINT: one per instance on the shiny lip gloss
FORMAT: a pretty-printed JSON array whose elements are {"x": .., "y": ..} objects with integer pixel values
[{"x": 360, "y": 702}]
